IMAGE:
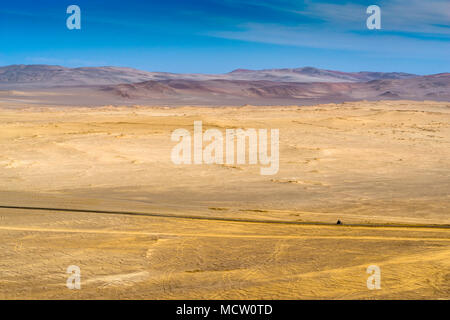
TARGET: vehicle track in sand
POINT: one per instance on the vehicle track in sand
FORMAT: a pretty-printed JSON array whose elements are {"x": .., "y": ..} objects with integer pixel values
[
  {"x": 149, "y": 214},
  {"x": 217, "y": 235}
]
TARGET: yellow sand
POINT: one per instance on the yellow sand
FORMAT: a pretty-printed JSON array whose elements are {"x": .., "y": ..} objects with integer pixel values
[{"x": 362, "y": 162}]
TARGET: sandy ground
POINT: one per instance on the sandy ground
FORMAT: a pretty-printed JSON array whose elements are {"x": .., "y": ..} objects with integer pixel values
[{"x": 364, "y": 162}]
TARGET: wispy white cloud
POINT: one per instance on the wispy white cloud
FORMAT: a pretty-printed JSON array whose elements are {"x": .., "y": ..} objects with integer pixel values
[
  {"x": 397, "y": 15},
  {"x": 328, "y": 38},
  {"x": 409, "y": 28},
  {"x": 417, "y": 16}
]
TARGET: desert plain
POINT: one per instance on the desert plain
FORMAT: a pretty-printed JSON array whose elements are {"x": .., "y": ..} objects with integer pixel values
[{"x": 216, "y": 231}]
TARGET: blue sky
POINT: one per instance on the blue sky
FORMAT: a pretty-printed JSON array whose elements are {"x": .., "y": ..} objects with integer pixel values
[{"x": 219, "y": 36}]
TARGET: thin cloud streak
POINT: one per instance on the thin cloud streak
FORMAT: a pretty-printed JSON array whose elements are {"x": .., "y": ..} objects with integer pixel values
[{"x": 332, "y": 39}]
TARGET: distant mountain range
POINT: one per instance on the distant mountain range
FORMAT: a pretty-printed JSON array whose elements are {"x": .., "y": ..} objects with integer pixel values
[
  {"x": 55, "y": 76},
  {"x": 435, "y": 87},
  {"x": 114, "y": 85}
]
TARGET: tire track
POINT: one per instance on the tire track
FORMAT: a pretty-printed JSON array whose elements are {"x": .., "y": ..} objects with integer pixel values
[
  {"x": 217, "y": 235},
  {"x": 162, "y": 215}
]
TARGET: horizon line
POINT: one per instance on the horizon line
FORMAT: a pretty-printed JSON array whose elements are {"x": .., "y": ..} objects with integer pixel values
[{"x": 234, "y": 70}]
